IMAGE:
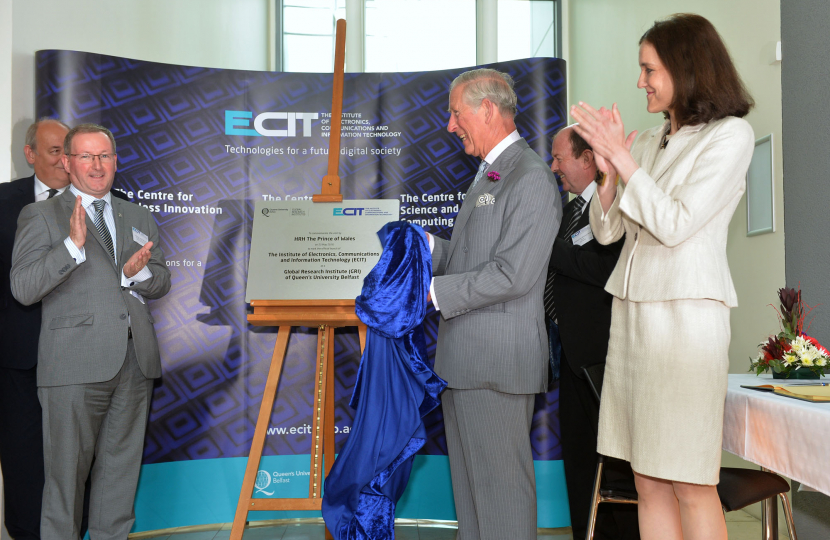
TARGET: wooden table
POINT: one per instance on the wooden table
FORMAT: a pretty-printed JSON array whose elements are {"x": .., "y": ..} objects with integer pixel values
[{"x": 781, "y": 434}]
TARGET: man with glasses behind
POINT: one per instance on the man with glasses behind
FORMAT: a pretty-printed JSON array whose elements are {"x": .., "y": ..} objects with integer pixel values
[{"x": 92, "y": 260}]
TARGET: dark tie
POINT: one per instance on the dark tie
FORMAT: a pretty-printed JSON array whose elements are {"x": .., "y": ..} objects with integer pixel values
[
  {"x": 575, "y": 215},
  {"x": 52, "y": 193},
  {"x": 101, "y": 225},
  {"x": 572, "y": 215}
]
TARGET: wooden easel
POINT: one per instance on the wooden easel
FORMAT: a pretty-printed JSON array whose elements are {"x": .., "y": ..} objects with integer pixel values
[{"x": 326, "y": 315}]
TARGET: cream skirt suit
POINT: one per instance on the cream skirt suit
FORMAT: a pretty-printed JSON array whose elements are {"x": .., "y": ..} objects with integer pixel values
[{"x": 665, "y": 377}]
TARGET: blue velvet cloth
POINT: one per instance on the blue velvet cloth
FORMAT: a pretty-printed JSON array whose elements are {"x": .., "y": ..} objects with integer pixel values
[{"x": 395, "y": 388}]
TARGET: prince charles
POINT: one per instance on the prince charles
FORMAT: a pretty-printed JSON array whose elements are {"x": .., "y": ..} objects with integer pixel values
[{"x": 488, "y": 285}]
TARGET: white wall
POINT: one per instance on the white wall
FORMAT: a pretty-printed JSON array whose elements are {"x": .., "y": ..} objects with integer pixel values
[
  {"x": 230, "y": 34},
  {"x": 5, "y": 86}
]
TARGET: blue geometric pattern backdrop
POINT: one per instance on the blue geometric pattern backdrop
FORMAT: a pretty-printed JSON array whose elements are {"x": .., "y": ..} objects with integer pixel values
[{"x": 193, "y": 147}]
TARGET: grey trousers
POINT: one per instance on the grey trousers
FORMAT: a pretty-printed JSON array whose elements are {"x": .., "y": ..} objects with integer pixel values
[
  {"x": 491, "y": 463},
  {"x": 107, "y": 421}
]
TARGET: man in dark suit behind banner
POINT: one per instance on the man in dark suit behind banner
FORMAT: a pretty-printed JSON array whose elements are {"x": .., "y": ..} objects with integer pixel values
[
  {"x": 575, "y": 298},
  {"x": 21, "y": 438}
]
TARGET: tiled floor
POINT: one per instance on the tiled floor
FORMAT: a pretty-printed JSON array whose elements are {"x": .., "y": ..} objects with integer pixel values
[{"x": 741, "y": 526}]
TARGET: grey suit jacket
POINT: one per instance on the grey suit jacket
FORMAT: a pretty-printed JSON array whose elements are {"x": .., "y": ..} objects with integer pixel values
[
  {"x": 491, "y": 275},
  {"x": 86, "y": 313}
]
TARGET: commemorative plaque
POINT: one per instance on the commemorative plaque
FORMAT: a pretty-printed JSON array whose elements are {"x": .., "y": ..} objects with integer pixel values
[{"x": 301, "y": 250}]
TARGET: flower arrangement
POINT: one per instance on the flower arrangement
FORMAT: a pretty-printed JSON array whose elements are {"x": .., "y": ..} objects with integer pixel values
[
  {"x": 791, "y": 353},
  {"x": 493, "y": 176}
]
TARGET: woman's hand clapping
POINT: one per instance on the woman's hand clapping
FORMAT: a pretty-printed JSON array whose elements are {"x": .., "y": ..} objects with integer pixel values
[{"x": 603, "y": 129}]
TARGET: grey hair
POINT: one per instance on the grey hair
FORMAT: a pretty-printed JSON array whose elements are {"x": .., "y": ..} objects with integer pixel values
[
  {"x": 86, "y": 128},
  {"x": 31, "y": 133},
  {"x": 480, "y": 84}
]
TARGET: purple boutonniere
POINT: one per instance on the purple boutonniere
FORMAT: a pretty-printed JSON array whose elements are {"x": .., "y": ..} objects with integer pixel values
[{"x": 493, "y": 176}]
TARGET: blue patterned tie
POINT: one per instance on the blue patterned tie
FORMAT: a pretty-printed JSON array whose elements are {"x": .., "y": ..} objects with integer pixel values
[
  {"x": 479, "y": 174},
  {"x": 101, "y": 225}
]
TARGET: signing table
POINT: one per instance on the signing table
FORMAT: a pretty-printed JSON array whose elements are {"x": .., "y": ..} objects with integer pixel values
[{"x": 779, "y": 433}]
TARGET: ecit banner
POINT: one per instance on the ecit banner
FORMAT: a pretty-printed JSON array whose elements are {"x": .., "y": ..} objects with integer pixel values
[{"x": 197, "y": 147}]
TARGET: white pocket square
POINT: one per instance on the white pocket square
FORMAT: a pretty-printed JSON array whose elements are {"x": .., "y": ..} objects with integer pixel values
[{"x": 484, "y": 200}]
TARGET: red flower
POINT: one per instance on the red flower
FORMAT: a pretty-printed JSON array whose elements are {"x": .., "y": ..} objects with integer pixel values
[
  {"x": 789, "y": 298},
  {"x": 816, "y": 344},
  {"x": 775, "y": 348}
]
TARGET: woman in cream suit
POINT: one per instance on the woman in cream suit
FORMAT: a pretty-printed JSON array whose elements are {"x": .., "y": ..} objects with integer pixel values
[{"x": 679, "y": 184}]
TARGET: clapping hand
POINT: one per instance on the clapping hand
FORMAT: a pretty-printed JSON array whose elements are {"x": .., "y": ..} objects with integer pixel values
[
  {"x": 603, "y": 164},
  {"x": 138, "y": 261},
  {"x": 77, "y": 224},
  {"x": 602, "y": 129}
]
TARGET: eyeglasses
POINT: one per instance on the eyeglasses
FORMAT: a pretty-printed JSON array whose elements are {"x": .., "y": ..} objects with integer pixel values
[{"x": 89, "y": 158}]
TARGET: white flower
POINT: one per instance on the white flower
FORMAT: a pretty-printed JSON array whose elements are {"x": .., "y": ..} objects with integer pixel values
[
  {"x": 810, "y": 353},
  {"x": 822, "y": 361},
  {"x": 807, "y": 361},
  {"x": 800, "y": 344},
  {"x": 789, "y": 359}
]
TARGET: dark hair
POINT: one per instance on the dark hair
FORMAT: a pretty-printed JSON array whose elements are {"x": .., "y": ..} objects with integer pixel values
[
  {"x": 578, "y": 144},
  {"x": 706, "y": 84},
  {"x": 83, "y": 129}
]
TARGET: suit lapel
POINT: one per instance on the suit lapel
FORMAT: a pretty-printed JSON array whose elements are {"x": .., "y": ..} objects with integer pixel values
[
  {"x": 504, "y": 165},
  {"x": 464, "y": 212},
  {"x": 668, "y": 155},
  {"x": 651, "y": 149},
  {"x": 68, "y": 200},
  {"x": 26, "y": 190}
]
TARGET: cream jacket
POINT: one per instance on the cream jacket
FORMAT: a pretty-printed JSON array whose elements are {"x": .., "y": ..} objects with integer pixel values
[{"x": 675, "y": 213}]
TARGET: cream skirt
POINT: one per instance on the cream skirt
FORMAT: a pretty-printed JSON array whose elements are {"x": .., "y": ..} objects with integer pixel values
[{"x": 664, "y": 388}]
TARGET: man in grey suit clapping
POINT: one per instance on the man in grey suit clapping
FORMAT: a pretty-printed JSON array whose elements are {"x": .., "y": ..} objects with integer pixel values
[
  {"x": 492, "y": 342},
  {"x": 93, "y": 260}
]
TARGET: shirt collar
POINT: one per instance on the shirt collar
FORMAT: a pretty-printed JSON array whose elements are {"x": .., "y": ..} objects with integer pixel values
[
  {"x": 86, "y": 199},
  {"x": 587, "y": 194},
  {"x": 40, "y": 187},
  {"x": 502, "y": 146}
]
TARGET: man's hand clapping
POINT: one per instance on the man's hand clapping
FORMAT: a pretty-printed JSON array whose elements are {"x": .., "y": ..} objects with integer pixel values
[
  {"x": 138, "y": 261},
  {"x": 77, "y": 224}
]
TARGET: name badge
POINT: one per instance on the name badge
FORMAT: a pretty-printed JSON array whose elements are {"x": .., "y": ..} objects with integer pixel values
[
  {"x": 582, "y": 236},
  {"x": 139, "y": 237}
]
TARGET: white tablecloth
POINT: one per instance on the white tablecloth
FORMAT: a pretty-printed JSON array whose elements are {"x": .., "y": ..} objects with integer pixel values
[{"x": 785, "y": 435}]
